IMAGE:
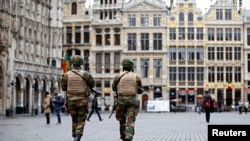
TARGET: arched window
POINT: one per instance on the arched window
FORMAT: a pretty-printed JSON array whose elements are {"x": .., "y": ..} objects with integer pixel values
[
  {"x": 190, "y": 17},
  {"x": 181, "y": 16},
  {"x": 74, "y": 9}
]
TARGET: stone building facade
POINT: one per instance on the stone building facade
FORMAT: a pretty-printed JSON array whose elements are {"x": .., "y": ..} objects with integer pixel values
[{"x": 30, "y": 47}]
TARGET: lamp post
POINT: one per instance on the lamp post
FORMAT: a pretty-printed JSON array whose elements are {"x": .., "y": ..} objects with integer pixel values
[
  {"x": 12, "y": 97},
  {"x": 33, "y": 92}
]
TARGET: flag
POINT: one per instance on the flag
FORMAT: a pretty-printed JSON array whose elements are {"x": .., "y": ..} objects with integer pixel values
[{"x": 66, "y": 64}]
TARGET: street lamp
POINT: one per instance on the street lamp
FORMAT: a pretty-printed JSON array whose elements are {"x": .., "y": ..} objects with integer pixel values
[
  {"x": 12, "y": 97},
  {"x": 33, "y": 92}
]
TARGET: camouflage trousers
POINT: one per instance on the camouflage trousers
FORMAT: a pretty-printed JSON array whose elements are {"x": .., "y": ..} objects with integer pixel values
[
  {"x": 78, "y": 110},
  {"x": 126, "y": 115}
]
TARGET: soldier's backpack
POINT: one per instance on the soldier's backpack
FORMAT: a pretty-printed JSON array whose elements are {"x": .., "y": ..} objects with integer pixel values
[{"x": 207, "y": 104}]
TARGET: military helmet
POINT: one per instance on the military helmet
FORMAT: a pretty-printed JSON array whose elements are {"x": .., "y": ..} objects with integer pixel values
[
  {"x": 127, "y": 62},
  {"x": 77, "y": 60}
]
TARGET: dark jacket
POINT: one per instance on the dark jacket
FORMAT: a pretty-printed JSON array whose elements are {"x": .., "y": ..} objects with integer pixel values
[
  {"x": 58, "y": 102},
  {"x": 94, "y": 103},
  {"x": 206, "y": 97}
]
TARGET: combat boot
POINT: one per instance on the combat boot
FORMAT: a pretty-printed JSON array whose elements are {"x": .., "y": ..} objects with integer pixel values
[{"x": 77, "y": 137}]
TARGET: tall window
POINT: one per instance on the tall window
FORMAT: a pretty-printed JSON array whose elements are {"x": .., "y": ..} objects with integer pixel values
[
  {"x": 181, "y": 33},
  {"x": 157, "y": 19},
  {"x": 237, "y": 53},
  {"x": 157, "y": 68},
  {"x": 190, "y": 33},
  {"x": 131, "y": 41},
  {"x": 229, "y": 53},
  {"x": 98, "y": 40},
  {"x": 220, "y": 53},
  {"x": 181, "y": 16},
  {"x": 77, "y": 34},
  {"x": 191, "y": 73},
  {"x": 228, "y": 14},
  {"x": 248, "y": 36},
  {"x": 117, "y": 59},
  {"x": 172, "y": 53},
  {"x": 191, "y": 53},
  {"x": 220, "y": 75},
  {"x": 98, "y": 63},
  {"x": 199, "y": 34},
  {"x": 181, "y": 53},
  {"x": 229, "y": 75},
  {"x": 237, "y": 74},
  {"x": 144, "y": 20},
  {"x": 219, "y": 14},
  {"x": 237, "y": 34},
  {"x": 69, "y": 35},
  {"x": 157, "y": 41},
  {"x": 172, "y": 34},
  {"x": 211, "y": 53},
  {"x": 172, "y": 73},
  {"x": 107, "y": 62},
  {"x": 74, "y": 8},
  {"x": 219, "y": 34},
  {"x": 248, "y": 62},
  {"x": 211, "y": 76},
  {"x": 200, "y": 53},
  {"x": 86, "y": 34},
  {"x": 131, "y": 20},
  {"x": 190, "y": 18},
  {"x": 117, "y": 40},
  {"x": 144, "y": 41},
  {"x": 228, "y": 34},
  {"x": 182, "y": 73},
  {"x": 210, "y": 34},
  {"x": 144, "y": 67},
  {"x": 200, "y": 74}
]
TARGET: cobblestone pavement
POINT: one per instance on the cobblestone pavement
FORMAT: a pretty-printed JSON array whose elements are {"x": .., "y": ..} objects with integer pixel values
[{"x": 186, "y": 126}]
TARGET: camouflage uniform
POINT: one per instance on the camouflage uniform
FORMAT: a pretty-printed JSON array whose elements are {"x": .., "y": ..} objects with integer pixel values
[
  {"x": 77, "y": 103},
  {"x": 127, "y": 107}
]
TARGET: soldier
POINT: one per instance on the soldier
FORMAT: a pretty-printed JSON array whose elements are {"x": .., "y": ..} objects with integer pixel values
[
  {"x": 78, "y": 84},
  {"x": 126, "y": 85}
]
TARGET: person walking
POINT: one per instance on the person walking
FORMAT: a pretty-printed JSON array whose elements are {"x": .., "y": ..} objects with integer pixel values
[
  {"x": 94, "y": 107},
  {"x": 58, "y": 103},
  {"x": 126, "y": 86},
  {"x": 208, "y": 106},
  {"x": 246, "y": 106},
  {"x": 240, "y": 106},
  {"x": 78, "y": 84},
  {"x": 46, "y": 107},
  {"x": 199, "y": 106}
]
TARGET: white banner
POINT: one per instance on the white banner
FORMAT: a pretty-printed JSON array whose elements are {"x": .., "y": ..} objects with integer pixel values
[{"x": 158, "y": 106}]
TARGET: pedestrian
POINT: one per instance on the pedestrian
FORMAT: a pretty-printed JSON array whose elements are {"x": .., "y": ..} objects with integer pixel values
[
  {"x": 219, "y": 105},
  {"x": 127, "y": 86},
  {"x": 78, "y": 84},
  {"x": 46, "y": 107},
  {"x": 58, "y": 103},
  {"x": 94, "y": 107},
  {"x": 246, "y": 106},
  {"x": 208, "y": 106},
  {"x": 240, "y": 105},
  {"x": 199, "y": 106}
]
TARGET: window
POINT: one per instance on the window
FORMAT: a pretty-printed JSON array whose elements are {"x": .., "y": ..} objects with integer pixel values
[
  {"x": 144, "y": 41},
  {"x": 98, "y": 40},
  {"x": 131, "y": 20},
  {"x": 172, "y": 53},
  {"x": 211, "y": 74},
  {"x": 69, "y": 35},
  {"x": 107, "y": 62},
  {"x": 190, "y": 18},
  {"x": 190, "y": 33},
  {"x": 181, "y": 33},
  {"x": 191, "y": 73},
  {"x": 248, "y": 36},
  {"x": 74, "y": 8},
  {"x": 219, "y": 34},
  {"x": 117, "y": 59},
  {"x": 157, "y": 41},
  {"x": 200, "y": 74},
  {"x": 248, "y": 62},
  {"x": 211, "y": 53},
  {"x": 131, "y": 41},
  {"x": 229, "y": 74},
  {"x": 172, "y": 34},
  {"x": 117, "y": 39},
  {"x": 229, "y": 53},
  {"x": 220, "y": 75},
  {"x": 144, "y": 20},
  {"x": 86, "y": 34},
  {"x": 107, "y": 39},
  {"x": 200, "y": 53},
  {"x": 181, "y": 53},
  {"x": 237, "y": 53},
  {"x": 157, "y": 68},
  {"x": 98, "y": 63},
  {"x": 144, "y": 68},
  {"x": 182, "y": 72},
  {"x": 77, "y": 34},
  {"x": 181, "y": 18},
  {"x": 228, "y": 14},
  {"x": 219, "y": 14},
  {"x": 199, "y": 34},
  {"x": 237, "y": 74},
  {"x": 53, "y": 63},
  {"x": 157, "y": 19},
  {"x": 191, "y": 53},
  {"x": 228, "y": 34},
  {"x": 172, "y": 73},
  {"x": 237, "y": 34},
  {"x": 210, "y": 34},
  {"x": 219, "y": 53}
]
